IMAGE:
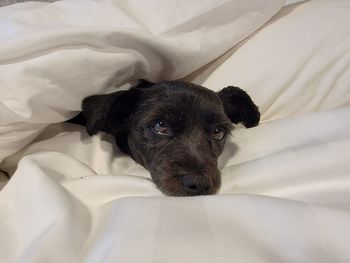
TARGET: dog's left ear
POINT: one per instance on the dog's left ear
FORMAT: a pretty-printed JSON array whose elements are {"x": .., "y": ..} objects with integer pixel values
[
  {"x": 239, "y": 107},
  {"x": 110, "y": 112}
]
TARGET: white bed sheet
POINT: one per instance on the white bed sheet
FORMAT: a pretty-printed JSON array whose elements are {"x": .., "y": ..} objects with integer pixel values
[
  {"x": 49, "y": 65},
  {"x": 285, "y": 193},
  {"x": 298, "y": 63},
  {"x": 285, "y": 198}
]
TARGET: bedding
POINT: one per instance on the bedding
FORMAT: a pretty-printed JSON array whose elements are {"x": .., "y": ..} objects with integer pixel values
[
  {"x": 74, "y": 198},
  {"x": 302, "y": 71},
  {"x": 49, "y": 65}
]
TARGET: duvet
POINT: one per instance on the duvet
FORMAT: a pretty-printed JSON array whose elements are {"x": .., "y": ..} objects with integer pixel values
[{"x": 74, "y": 198}]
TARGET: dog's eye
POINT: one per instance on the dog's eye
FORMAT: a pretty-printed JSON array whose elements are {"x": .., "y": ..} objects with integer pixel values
[
  {"x": 161, "y": 127},
  {"x": 219, "y": 133}
]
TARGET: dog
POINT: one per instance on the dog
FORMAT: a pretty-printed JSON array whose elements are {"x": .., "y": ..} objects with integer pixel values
[{"x": 175, "y": 129}]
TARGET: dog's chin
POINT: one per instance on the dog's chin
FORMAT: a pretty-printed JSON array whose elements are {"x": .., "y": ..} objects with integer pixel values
[
  {"x": 172, "y": 186},
  {"x": 182, "y": 192}
]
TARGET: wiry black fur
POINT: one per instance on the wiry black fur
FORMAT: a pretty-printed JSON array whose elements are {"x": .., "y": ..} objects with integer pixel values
[{"x": 184, "y": 163}]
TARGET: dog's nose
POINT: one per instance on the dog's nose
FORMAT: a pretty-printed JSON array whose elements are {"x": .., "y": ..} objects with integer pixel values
[{"x": 197, "y": 185}]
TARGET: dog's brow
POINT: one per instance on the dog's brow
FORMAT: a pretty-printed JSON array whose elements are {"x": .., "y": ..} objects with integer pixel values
[
  {"x": 214, "y": 117},
  {"x": 165, "y": 113}
]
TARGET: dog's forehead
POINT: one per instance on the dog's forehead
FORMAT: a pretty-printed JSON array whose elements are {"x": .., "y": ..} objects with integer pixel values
[
  {"x": 186, "y": 93},
  {"x": 182, "y": 101}
]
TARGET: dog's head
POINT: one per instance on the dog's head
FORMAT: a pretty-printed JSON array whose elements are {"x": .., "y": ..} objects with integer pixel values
[{"x": 175, "y": 129}]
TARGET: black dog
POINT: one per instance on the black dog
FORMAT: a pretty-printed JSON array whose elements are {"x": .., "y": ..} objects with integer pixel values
[{"x": 175, "y": 129}]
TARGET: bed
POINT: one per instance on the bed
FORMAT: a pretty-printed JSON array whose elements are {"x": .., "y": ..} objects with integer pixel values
[{"x": 285, "y": 194}]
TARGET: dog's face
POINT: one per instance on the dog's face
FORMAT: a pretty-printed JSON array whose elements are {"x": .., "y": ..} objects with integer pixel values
[{"x": 176, "y": 130}]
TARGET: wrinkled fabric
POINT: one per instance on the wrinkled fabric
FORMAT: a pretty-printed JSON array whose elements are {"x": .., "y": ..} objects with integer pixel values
[
  {"x": 298, "y": 63},
  {"x": 54, "y": 55},
  {"x": 285, "y": 183},
  {"x": 284, "y": 197}
]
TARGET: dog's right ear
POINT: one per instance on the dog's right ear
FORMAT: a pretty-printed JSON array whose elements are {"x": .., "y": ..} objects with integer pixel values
[
  {"x": 110, "y": 112},
  {"x": 239, "y": 107}
]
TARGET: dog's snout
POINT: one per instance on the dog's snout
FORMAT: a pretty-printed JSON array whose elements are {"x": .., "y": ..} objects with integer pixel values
[{"x": 197, "y": 185}]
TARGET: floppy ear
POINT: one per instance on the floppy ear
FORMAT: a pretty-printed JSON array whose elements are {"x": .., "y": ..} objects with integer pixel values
[
  {"x": 239, "y": 107},
  {"x": 110, "y": 112}
]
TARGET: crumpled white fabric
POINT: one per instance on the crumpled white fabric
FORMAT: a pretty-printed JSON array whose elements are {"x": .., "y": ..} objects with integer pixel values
[
  {"x": 54, "y": 55},
  {"x": 284, "y": 198},
  {"x": 298, "y": 63},
  {"x": 285, "y": 192}
]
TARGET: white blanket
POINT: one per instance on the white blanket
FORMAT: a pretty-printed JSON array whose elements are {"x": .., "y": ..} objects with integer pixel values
[
  {"x": 63, "y": 203},
  {"x": 54, "y": 55},
  {"x": 286, "y": 183}
]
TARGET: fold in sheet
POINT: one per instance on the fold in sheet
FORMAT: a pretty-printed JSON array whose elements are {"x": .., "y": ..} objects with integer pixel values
[
  {"x": 49, "y": 65},
  {"x": 297, "y": 209},
  {"x": 297, "y": 63},
  {"x": 72, "y": 198}
]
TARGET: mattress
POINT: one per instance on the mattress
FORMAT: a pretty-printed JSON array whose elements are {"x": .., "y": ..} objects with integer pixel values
[{"x": 285, "y": 183}]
